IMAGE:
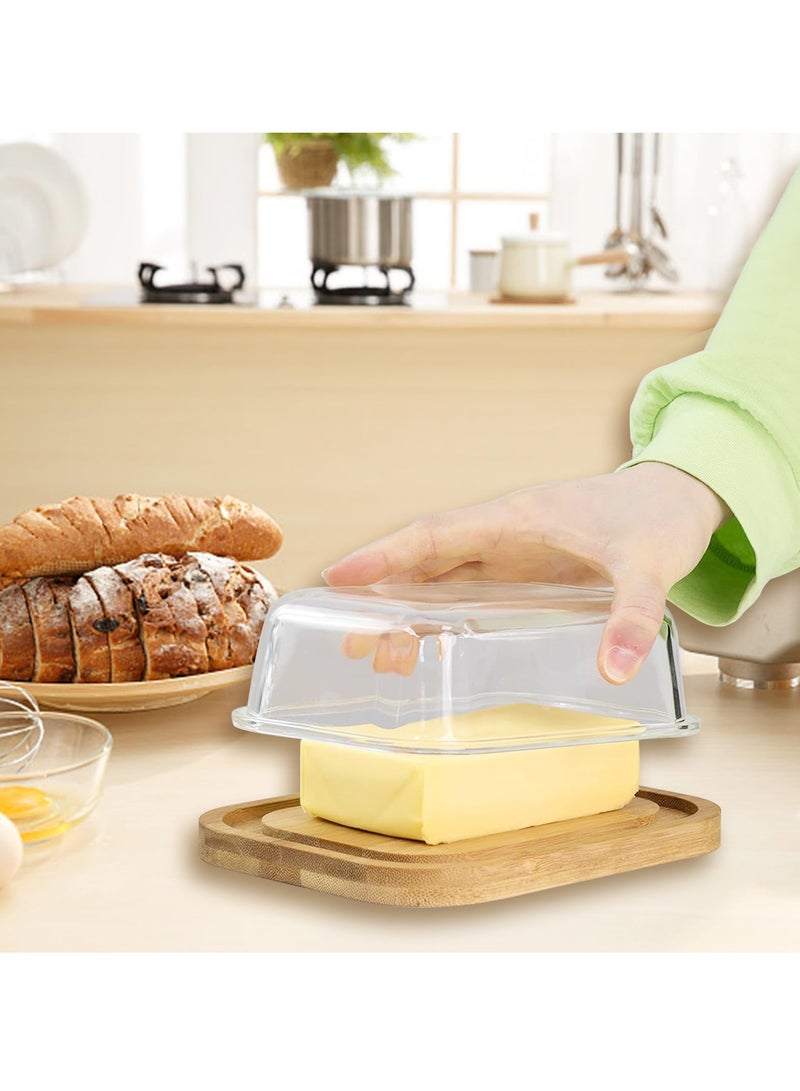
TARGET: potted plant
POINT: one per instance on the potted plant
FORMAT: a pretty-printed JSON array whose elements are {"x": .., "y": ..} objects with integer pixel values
[{"x": 309, "y": 160}]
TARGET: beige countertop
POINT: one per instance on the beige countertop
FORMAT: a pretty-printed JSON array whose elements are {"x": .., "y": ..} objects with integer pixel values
[
  {"x": 98, "y": 306},
  {"x": 130, "y": 878}
]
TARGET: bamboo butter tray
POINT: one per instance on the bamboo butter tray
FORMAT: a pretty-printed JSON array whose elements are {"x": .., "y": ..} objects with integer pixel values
[{"x": 275, "y": 839}]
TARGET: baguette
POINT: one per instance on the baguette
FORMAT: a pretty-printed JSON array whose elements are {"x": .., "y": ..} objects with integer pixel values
[
  {"x": 153, "y": 617},
  {"x": 244, "y": 596},
  {"x": 17, "y": 647},
  {"x": 89, "y": 633},
  {"x": 229, "y": 586},
  {"x": 54, "y": 656},
  {"x": 84, "y": 533},
  {"x": 172, "y": 632},
  {"x": 218, "y": 640},
  {"x": 121, "y": 624}
]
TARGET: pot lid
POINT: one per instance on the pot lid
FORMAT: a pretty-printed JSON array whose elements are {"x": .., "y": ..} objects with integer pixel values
[{"x": 339, "y": 194}]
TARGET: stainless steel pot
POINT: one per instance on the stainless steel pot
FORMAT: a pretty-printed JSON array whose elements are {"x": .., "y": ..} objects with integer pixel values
[{"x": 359, "y": 229}]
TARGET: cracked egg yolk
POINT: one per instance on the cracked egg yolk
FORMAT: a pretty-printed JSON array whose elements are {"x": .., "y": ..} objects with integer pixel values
[{"x": 23, "y": 803}]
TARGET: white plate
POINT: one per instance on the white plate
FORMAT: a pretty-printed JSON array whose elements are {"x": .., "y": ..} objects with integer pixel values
[
  {"x": 43, "y": 208},
  {"x": 26, "y": 226},
  {"x": 132, "y": 696}
]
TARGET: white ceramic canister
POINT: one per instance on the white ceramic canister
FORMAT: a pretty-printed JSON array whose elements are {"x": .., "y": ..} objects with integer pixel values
[{"x": 537, "y": 267}]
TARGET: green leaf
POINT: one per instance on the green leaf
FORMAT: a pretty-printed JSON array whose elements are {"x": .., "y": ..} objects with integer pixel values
[{"x": 362, "y": 153}]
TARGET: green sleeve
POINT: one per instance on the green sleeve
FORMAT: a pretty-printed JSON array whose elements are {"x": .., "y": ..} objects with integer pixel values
[{"x": 730, "y": 416}]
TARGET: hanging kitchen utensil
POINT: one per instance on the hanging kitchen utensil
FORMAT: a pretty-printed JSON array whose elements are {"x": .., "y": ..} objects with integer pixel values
[
  {"x": 644, "y": 255},
  {"x": 637, "y": 266},
  {"x": 655, "y": 215},
  {"x": 617, "y": 236},
  {"x": 657, "y": 258}
]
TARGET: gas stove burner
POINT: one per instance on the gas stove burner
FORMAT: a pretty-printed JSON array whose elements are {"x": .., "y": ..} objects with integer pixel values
[
  {"x": 364, "y": 295},
  {"x": 198, "y": 291}
]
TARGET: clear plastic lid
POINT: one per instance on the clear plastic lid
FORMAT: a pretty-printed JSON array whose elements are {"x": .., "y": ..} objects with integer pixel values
[{"x": 454, "y": 668}]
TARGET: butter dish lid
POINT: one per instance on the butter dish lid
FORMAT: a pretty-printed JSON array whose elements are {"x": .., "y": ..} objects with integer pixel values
[{"x": 455, "y": 668}]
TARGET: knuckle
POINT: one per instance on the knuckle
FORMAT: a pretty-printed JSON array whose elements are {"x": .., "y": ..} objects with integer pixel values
[
  {"x": 647, "y": 611},
  {"x": 645, "y": 617},
  {"x": 426, "y": 532}
]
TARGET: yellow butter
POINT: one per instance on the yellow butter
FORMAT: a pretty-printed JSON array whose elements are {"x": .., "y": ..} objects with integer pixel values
[{"x": 439, "y": 798}]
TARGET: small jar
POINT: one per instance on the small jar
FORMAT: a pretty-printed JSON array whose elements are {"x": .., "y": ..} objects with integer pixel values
[{"x": 483, "y": 271}]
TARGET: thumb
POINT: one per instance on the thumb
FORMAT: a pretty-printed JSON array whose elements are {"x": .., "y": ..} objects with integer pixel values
[{"x": 637, "y": 613}]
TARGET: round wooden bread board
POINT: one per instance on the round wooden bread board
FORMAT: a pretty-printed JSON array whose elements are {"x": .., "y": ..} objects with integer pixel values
[
  {"x": 275, "y": 839},
  {"x": 132, "y": 696}
]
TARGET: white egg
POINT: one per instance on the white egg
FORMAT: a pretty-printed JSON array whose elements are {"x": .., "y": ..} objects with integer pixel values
[{"x": 10, "y": 850}]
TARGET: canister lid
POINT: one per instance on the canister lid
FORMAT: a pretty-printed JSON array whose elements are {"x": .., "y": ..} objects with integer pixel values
[{"x": 536, "y": 238}]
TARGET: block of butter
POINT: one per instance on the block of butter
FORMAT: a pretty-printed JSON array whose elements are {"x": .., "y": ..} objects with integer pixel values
[{"x": 440, "y": 798}]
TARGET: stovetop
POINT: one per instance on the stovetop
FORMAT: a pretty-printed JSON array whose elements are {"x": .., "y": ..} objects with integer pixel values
[
  {"x": 267, "y": 299},
  {"x": 212, "y": 289},
  {"x": 331, "y": 285},
  {"x": 360, "y": 286}
]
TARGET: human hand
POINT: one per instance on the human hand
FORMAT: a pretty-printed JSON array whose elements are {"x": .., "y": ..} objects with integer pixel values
[{"x": 641, "y": 530}]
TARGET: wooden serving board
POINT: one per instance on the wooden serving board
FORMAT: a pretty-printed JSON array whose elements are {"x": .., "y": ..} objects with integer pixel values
[{"x": 275, "y": 839}]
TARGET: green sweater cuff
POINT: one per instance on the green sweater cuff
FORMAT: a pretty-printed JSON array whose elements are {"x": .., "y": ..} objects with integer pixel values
[{"x": 725, "y": 448}]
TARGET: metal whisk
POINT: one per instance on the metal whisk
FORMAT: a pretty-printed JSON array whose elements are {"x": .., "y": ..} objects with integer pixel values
[{"x": 21, "y": 728}]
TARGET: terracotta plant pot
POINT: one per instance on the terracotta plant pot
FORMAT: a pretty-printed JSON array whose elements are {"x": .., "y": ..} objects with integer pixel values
[{"x": 307, "y": 166}]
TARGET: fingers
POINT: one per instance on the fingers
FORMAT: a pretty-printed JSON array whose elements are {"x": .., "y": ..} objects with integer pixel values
[
  {"x": 392, "y": 653},
  {"x": 396, "y": 653},
  {"x": 637, "y": 613},
  {"x": 359, "y": 645},
  {"x": 469, "y": 572},
  {"x": 426, "y": 549}
]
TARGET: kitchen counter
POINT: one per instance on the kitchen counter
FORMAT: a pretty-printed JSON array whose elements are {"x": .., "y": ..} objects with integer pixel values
[
  {"x": 130, "y": 878},
  {"x": 343, "y": 433},
  {"x": 66, "y": 304}
]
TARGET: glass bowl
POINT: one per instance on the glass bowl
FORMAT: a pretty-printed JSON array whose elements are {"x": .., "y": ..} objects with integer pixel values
[{"x": 60, "y": 782}]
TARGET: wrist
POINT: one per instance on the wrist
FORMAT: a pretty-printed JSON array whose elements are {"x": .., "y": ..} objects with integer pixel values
[{"x": 692, "y": 494}]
